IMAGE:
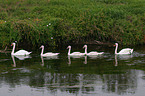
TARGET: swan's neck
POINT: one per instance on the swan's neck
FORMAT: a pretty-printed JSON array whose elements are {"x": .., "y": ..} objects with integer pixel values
[
  {"x": 42, "y": 51},
  {"x": 85, "y": 50},
  {"x": 116, "y": 49},
  {"x": 69, "y": 51},
  {"x": 13, "y": 49}
]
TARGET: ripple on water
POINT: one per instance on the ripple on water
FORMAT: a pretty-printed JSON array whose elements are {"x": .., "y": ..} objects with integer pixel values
[
  {"x": 2, "y": 60},
  {"x": 138, "y": 54},
  {"x": 4, "y": 72}
]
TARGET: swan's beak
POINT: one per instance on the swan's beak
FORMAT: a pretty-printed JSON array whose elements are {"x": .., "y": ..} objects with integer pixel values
[
  {"x": 84, "y": 47},
  {"x": 40, "y": 47},
  {"x": 11, "y": 44},
  {"x": 114, "y": 45},
  {"x": 68, "y": 47}
]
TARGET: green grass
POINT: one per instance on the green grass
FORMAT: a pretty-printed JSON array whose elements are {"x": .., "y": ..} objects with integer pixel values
[{"x": 71, "y": 21}]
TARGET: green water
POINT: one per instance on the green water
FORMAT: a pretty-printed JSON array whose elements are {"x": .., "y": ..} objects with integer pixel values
[{"x": 103, "y": 75}]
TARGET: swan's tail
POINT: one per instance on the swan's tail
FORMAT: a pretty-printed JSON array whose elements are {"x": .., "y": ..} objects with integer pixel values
[
  {"x": 29, "y": 53},
  {"x": 57, "y": 53},
  {"x": 100, "y": 53},
  {"x": 131, "y": 51}
]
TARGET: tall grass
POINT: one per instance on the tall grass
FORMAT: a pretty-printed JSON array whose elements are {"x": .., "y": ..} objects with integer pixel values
[{"x": 57, "y": 22}]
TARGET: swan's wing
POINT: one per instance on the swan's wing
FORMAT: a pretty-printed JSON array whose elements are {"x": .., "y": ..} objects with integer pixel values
[
  {"x": 22, "y": 52},
  {"x": 50, "y": 54},
  {"x": 94, "y": 53},
  {"x": 126, "y": 51},
  {"x": 76, "y": 53}
]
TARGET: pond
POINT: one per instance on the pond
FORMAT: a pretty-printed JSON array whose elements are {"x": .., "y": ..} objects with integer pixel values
[{"x": 102, "y": 75}]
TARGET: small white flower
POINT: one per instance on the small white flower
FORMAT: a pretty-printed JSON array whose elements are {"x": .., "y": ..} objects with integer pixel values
[
  {"x": 51, "y": 37},
  {"x": 5, "y": 21},
  {"x": 49, "y": 23},
  {"x": 29, "y": 18}
]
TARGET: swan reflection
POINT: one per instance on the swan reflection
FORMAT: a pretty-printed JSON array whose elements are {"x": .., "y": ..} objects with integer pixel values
[
  {"x": 47, "y": 58},
  {"x": 85, "y": 58},
  {"x": 122, "y": 57},
  {"x": 95, "y": 56},
  {"x": 116, "y": 62},
  {"x": 85, "y": 62},
  {"x": 51, "y": 57},
  {"x": 69, "y": 59},
  {"x": 76, "y": 57},
  {"x": 20, "y": 57},
  {"x": 42, "y": 61},
  {"x": 14, "y": 63}
]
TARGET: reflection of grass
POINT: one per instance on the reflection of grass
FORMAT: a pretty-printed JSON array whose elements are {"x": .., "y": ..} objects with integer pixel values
[
  {"x": 3, "y": 68},
  {"x": 93, "y": 66}
]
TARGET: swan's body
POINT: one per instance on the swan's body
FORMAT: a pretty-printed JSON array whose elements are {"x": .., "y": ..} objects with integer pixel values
[
  {"x": 123, "y": 51},
  {"x": 74, "y": 53},
  {"x": 48, "y": 53},
  {"x": 92, "y": 53},
  {"x": 20, "y": 52}
]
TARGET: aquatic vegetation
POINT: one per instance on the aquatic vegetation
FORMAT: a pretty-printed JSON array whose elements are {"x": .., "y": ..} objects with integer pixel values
[{"x": 58, "y": 22}]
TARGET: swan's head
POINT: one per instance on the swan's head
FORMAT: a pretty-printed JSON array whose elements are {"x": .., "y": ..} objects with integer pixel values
[
  {"x": 12, "y": 44},
  {"x": 116, "y": 44},
  {"x": 42, "y": 46},
  {"x": 69, "y": 47},
  {"x": 85, "y": 46}
]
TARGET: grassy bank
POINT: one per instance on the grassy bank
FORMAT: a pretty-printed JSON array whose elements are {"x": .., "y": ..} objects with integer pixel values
[{"x": 58, "y": 22}]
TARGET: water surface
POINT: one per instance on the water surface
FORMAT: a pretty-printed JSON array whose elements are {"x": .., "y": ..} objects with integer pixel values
[{"x": 102, "y": 75}]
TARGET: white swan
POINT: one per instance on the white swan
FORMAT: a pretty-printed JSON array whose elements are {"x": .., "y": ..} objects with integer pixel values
[
  {"x": 20, "y": 52},
  {"x": 47, "y": 54},
  {"x": 123, "y": 51},
  {"x": 92, "y": 53},
  {"x": 74, "y": 53}
]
